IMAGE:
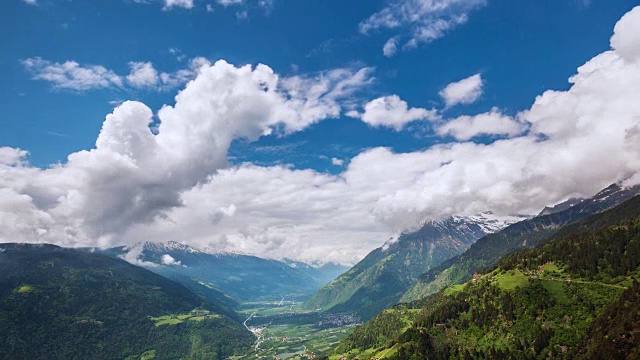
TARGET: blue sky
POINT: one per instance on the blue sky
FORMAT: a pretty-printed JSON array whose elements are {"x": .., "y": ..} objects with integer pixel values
[
  {"x": 367, "y": 118},
  {"x": 521, "y": 48}
]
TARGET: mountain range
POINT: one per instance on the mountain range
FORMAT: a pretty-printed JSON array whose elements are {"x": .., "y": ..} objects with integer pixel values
[
  {"x": 233, "y": 276},
  {"x": 383, "y": 276}
]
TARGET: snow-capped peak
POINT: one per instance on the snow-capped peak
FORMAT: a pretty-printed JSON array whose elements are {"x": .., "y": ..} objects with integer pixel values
[
  {"x": 491, "y": 223},
  {"x": 166, "y": 247},
  {"x": 210, "y": 251}
]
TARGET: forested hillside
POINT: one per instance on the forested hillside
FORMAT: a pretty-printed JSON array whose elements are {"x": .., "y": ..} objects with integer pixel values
[
  {"x": 575, "y": 296},
  {"x": 58, "y": 303}
]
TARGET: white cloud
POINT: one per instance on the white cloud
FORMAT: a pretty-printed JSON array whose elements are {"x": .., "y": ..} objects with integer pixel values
[
  {"x": 71, "y": 75},
  {"x": 142, "y": 75},
  {"x": 180, "y": 77},
  {"x": 390, "y": 47},
  {"x": 278, "y": 212},
  {"x": 322, "y": 95},
  {"x": 186, "y": 4},
  {"x": 134, "y": 256},
  {"x": 209, "y": 8},
  {"x": 177, "y": 53},
  {"x": 337, "y": 162},
  {"x": 245, "y": 7},
  {"x": 490, "y": 123},
  {"x": 435, "y": 30},
  {"x": 229, "y": 2},
  {"x": 419, "y": 21},
  {"x": 221, "y": 213},
  {"x": 11, "y": 156},
  {"x": 136, "y": 176},
  {"x": 391, "y": 111},
  {"x": 169, "y": 260},
  {"x": 176, "y": 185},
  {"x": 30, "y": 2},
  {"x": 627, "y": 36},
  {"x": 465, "y": 91}
]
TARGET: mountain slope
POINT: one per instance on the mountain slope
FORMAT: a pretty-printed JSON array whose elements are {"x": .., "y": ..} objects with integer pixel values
[
  {"x": 380, "y": 279},
  {"x": 529, "y": 233},
  {"x": 243, "y": 277},
  {"x": 573, "y": 297},
  {"x": 58, "y": 303}
]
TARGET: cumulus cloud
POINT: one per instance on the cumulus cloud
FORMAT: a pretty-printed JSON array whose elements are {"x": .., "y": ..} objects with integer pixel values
[
  {"x": 142, "y": 74},
  {"x": 169, "y": 260},
  {"x": 337, "y": 162},
  {"x": 465, "y": 91},
  {"x": 391, "y": 111},
  {"x": 627, "y": 36},
  {"x": 12, "y": 156},
  {"x": 418, "y": 21},
  {"x": 71, "y": 75},
  {"x": 491, "y": 123}
]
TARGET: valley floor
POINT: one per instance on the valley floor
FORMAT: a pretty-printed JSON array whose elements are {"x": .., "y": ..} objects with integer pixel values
[{"x": 284, "y": 330}]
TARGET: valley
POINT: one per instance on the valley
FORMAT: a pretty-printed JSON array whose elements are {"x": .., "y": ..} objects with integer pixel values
[{"x": 285, "y": 330}]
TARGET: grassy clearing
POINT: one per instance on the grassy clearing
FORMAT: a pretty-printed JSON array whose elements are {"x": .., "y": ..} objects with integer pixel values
[
  {"x": 149, "y": 355},
  {"x": 511, "y": 279},
  {"x": 556, "y": 288},
  {"x": 25, "y": 289},
  {"x": 174, "y": 319},
  {"x": 166, "y": 320},
  {"x": 551, "y": 267},
  {"x": 387, "y": 353},
  {"x": 454, "y": 289}
]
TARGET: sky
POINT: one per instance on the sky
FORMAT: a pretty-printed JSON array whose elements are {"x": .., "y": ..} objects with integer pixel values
[{"x": 312, "y": 130}]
